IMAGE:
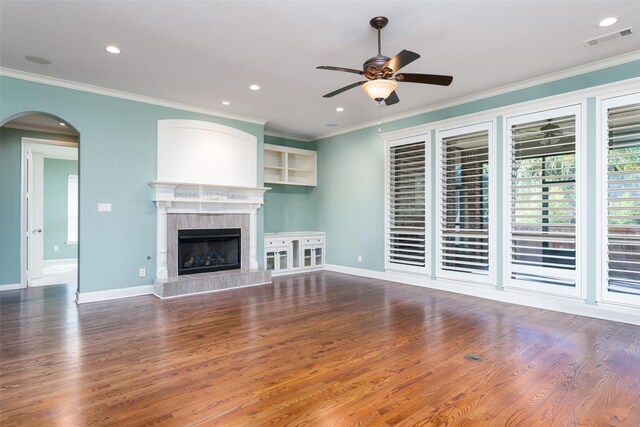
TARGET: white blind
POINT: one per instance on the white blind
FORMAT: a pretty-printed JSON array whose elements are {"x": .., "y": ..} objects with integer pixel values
[
  {"x": 543, "y": 201},
  {"x": 464, "y": 237},
  {"x": 623, "y": 199},
  {"x": 72, "y": 209},
  {"x": 406, "y": 197}
]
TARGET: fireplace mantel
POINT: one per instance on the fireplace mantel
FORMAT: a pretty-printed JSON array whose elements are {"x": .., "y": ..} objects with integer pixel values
[
  {"x": 192, "y": 198},
  {"x": 180, "y": 197}
]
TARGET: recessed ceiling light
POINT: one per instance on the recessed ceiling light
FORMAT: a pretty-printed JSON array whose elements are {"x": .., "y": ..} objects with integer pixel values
[
  {"x": 254, "y": 87},
  {"x": 608, "y": 21},
  {"x": 339, "y": 109},
  {"x": 62, "y": 124},
  {"x": 226, "y": 102},
  {"x": 38, "y": 59},
  {"x": 112, "y": 49}
]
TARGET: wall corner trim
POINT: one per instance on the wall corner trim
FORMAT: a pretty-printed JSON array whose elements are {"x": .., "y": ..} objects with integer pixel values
[{"x": 109, "y": 294}]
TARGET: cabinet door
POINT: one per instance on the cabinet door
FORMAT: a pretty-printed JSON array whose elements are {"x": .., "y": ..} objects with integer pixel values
[
  {"x": 283, "y": 260},
  {"x": 318, "y": 256},
  {"x": 270, "y": 261},
  {"x": 307, "y": 257}
]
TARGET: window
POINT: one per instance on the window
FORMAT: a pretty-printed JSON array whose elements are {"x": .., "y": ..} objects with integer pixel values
[
  {"x": 72, "y": 209},
  {"x": 464, "y": 201},
  {"x": 544, "y": 204},
  {"x": 621, "y": 233},
  {"x": 406, "y": 202}
]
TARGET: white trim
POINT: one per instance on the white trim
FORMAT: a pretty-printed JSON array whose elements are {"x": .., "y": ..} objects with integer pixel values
[
  {"x": 462, "y": 128},
  {"x": 426, "y": 137},
  {"x": 603, "y": 295},
  {"x": 109, "y": 294},
  {"x": 68, "y": 84},
  {"x": 213, "y": 290},
  {"x": 528, "y": 299},
  {"x": 579, "y": 110},
  {"x": 276, "y": 134},
  {"x": 11, "y": 287}
]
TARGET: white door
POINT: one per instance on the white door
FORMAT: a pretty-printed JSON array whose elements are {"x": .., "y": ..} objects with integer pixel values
[{"x": 37, "y": 215}]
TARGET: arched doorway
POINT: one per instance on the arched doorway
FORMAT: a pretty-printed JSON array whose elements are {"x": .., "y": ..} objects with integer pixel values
[{"x": 40, "y": 182}]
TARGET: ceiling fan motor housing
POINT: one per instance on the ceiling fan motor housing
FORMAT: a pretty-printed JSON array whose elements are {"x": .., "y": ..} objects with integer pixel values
[{"x": 374, "y": 66}]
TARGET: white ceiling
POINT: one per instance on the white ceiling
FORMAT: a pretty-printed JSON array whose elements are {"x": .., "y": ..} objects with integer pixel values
[{"x": 203, "y": 52}]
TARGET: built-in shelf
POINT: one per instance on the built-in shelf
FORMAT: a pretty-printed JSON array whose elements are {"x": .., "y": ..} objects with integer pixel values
[{"x": 292, "y": 166}]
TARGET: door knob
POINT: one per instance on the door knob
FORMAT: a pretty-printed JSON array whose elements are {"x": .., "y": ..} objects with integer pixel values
[{"x": 39, "y": 230}]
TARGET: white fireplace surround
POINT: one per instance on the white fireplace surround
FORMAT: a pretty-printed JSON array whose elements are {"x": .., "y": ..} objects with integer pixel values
[
  {"x": 181, "y": 198},
  {"x": 205, "y": 168}
]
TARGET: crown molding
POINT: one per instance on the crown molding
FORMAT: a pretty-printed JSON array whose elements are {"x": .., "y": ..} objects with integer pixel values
[
  {"x": 570, "y": 72},
  {"x": 37, "y": 78},
  {"x": 286, "y": 136}
]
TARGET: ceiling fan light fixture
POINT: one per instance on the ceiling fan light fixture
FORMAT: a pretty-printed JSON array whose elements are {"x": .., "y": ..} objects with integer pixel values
[{"x": 379, "y": 89}]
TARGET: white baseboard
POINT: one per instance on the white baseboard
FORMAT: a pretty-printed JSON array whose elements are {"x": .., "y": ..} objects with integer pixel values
[
  {"x": 109, "y": 294},
  {"x": 11, "y": 287},
  {"x": 555, "y": 303}
]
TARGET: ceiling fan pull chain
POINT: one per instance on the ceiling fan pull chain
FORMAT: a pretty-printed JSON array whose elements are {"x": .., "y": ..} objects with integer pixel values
[{"x": 379, "y": 102}]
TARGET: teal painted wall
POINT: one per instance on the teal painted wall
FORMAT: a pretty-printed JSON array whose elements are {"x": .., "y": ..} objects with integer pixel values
[
  {"x": 349, "y": 199},
  {"x": 10, "y": 155},
  {"x": 289, "y": 207},
  {"x": 56, "y": 179},
  {"x": 117, "y": 159}
]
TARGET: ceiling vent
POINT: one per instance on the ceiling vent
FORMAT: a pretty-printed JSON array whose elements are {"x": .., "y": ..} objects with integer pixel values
[{"x": 609, "y": 37}]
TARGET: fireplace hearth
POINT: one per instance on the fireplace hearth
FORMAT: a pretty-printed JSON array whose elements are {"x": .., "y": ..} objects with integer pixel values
[{"x": 208, "y": 250}]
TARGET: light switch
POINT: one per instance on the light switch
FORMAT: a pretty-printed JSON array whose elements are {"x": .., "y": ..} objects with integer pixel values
[{"x": 104, "y": 207}]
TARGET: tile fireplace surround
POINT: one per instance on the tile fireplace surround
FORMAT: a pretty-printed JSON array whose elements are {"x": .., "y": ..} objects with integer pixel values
[{"x": 198, "y": 206}]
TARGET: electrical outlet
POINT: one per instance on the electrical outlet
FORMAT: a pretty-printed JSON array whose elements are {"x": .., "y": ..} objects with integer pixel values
[
  {"x": 359, "y": 258},
  {"x": 142, "y": 272},
  {"x": 104, "y": 207},
  {"x": 56, "y": 248}
]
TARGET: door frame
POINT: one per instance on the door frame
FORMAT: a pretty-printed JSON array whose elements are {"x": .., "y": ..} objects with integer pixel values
[{"x": 26, "y": 213}]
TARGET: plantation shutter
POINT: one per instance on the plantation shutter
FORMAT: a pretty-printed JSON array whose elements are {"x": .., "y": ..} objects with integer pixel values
[
  {"x": 406, "y": 188},
  {"x": 464, "y": 226},
  {"x": 542, "y": 199},
  {"x": 623, "y": 199}
]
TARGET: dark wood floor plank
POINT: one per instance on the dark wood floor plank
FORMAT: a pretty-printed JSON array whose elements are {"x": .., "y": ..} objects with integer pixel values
[{"x": 313, "y": 349}]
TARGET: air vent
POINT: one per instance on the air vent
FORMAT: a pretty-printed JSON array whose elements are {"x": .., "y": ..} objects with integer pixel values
[{"x": 609, "y": 37}]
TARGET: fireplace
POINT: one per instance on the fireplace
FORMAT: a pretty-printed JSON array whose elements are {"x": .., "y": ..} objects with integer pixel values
[{"x": 208, "y": 250}]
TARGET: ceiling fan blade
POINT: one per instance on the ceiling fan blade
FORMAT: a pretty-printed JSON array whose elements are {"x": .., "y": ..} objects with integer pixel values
[
  {"x": 405, "y": 57},
  {"x": 346, "y": 70},
  {"x": 392, "y": 98},
  {"x": 431, "y": 79},
  {"x": 344, "y": 89}
]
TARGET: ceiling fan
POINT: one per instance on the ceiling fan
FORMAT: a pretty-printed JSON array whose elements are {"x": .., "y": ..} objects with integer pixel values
[{"x": 382, "y": 74}]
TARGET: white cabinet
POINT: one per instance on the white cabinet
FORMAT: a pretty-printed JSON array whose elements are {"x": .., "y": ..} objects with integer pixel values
[
  {"x": 286, "y": 253},
  {"x": 286, "y": 165},
  {"x": 277, "y": 254}
]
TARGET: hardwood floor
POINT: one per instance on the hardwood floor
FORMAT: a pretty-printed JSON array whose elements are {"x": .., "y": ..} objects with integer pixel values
[{"x": 321, "y": 349}]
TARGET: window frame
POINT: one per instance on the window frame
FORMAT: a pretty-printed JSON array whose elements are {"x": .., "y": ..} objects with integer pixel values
[
  {"x": 388, "y": 265},
  {"x": 579, "y": 110},
  {"x": 603, "y": 294},
  {"x": 490, "y": 127}
]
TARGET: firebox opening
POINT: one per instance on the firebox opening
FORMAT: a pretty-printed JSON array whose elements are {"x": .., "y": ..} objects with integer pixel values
[{"x": 207, "y": 250}]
